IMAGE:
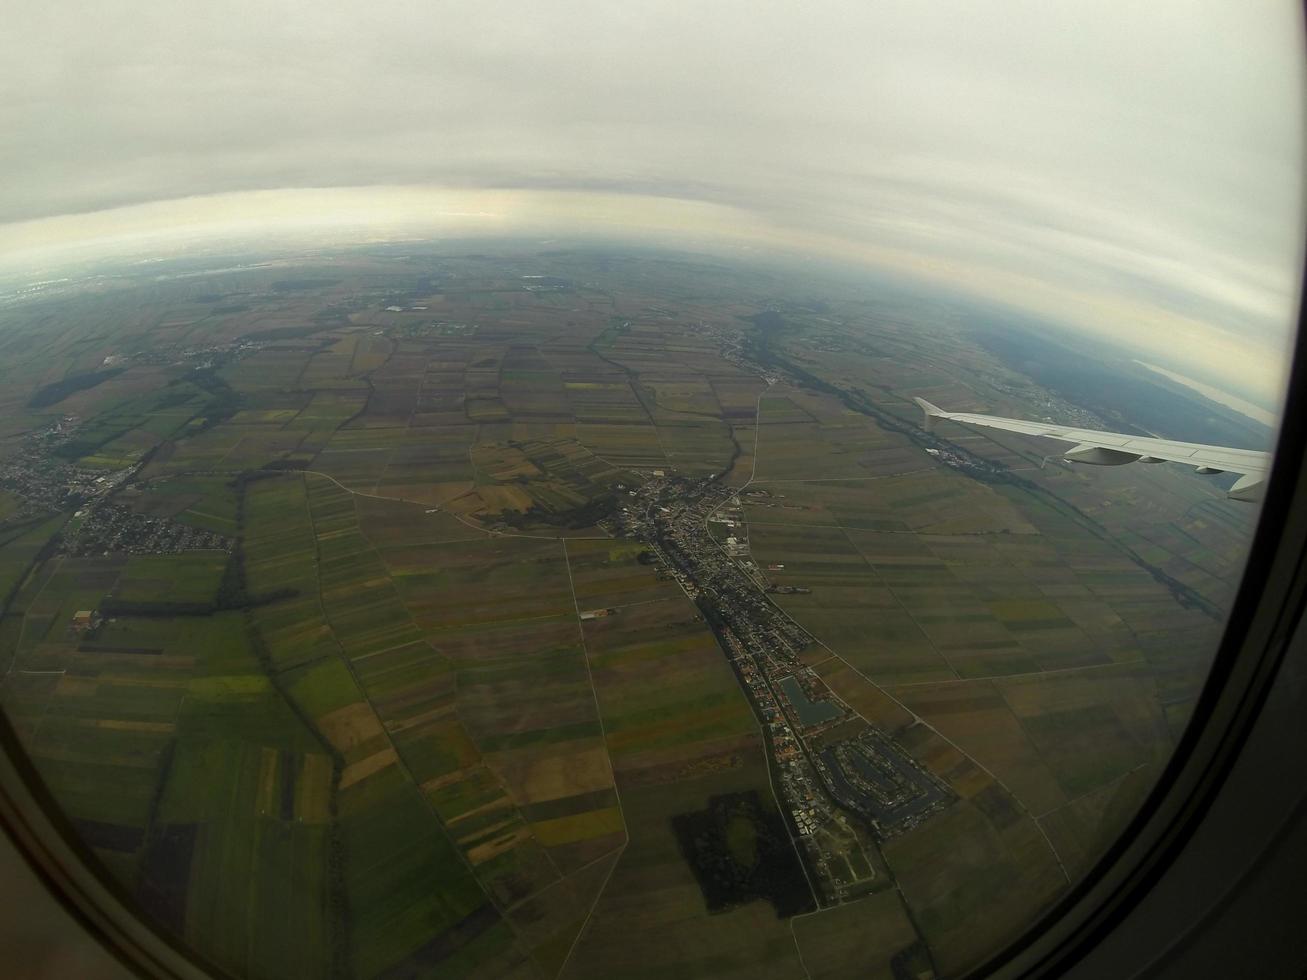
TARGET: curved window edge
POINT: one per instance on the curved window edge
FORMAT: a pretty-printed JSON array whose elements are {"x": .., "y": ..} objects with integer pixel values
[
  {"x": 75, "y": 878},
  {"x": 1267, "y": 610}
]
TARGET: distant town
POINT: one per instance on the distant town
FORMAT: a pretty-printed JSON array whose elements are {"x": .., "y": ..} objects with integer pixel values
[
  {"x": 46, "y": 485},
  {"x": 839, "y": 777}
]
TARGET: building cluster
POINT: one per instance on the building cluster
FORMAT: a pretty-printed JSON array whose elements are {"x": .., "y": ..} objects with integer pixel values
[
  {"x": 199, "y": 358},
  {"x": 1054, "y": 409},
  {"x": 112, "y": 529},
  {"x": 85, "y": 621},
  {"x": 733, "y": 346},
  {"x": 971, "y": 465},
  {"x": 873, "y": 776},
  {"x": 865, "y": 775},
  {"x": 46, "y": 483}
]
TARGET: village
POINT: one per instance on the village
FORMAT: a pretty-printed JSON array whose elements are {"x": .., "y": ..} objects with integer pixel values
[{"x": 844, "y": 784}]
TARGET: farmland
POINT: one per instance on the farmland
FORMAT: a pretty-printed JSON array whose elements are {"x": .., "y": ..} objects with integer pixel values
[{"x": 431, "y": 703}]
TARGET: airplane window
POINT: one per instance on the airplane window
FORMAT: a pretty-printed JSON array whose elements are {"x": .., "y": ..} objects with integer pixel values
[{"x": 590, "y": 491}]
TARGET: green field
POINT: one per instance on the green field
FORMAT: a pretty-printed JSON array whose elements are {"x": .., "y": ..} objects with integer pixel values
[{"x": 678, "y": 731}]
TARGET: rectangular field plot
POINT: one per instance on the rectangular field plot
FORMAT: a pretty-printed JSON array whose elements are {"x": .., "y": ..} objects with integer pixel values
[
  {"x": 414, "y": 903},
  {"x": 486, "y": 701},
  {"x": 652, "y": 908},
  {"x": 1082, "y": 829},
  {"x": 601, "y": 400},
  {"x": 974, "y": 715},
  {"x": 208, "y": 503},
  {"x": 610, "y": 574},
  {"x": 663, "y": 682},
  {"x": 680, "y": 731},
  {"x": 856, "y": 941},
  {"x": 694, "y": 445},
  {"x": 191, "y": 578},
  {"x": 850, "y": 608},
  {"x": 938, "y": 863},
  {"x": 178, "y": 761},
  {"x": 805, "y": 437},
  {"x": 459, "y": 585},
  {"x": 635, "y": 443},
  {"x": 979, "y": 604},
  {"x": 1091, "y": 726},
  {"x": 936, "y": 501}
]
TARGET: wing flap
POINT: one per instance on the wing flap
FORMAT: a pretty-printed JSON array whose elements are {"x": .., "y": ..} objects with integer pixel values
[{"x": 1115, "y": 448}]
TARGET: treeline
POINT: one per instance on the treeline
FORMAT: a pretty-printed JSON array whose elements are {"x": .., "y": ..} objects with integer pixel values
[
  {"x": 57, "y": 391},
  {"x": 233, "y": 590},
  {"x": 224, "y": 401},
  {"x": 283, "y": 333},
  {"x": 230, "y": 599},
  {"x": 43, "y": 554},
  {"x": 586, "y": 515},
  {"x": 740, "y": 851},
  {"x": 337, "y": 895},
  {"x": 913, "y": 961},
  {"x": 161, "y": 886}
]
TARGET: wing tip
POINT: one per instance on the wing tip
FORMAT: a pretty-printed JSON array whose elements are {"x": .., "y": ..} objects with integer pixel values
[{"x": 929, "y": 410}]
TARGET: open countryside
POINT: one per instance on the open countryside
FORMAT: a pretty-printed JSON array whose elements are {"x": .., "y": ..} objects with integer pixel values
[{"x": 585, "y": 613}]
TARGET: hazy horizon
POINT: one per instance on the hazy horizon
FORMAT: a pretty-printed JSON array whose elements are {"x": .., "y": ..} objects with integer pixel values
[{"x": 1131, "y": 173}]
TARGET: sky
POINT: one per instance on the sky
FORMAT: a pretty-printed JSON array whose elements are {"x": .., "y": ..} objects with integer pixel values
[{"x": 1129, "y": 170}]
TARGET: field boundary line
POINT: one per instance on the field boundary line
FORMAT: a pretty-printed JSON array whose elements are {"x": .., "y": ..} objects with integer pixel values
[
  {"x": 919, "y": 719},
  {"x": 22, "y": 627},
  {"x": 585, "y": 923},
  {"x": 599, "y": 714},
  {"x": 854, "y": 479},
  {"x": 798, "y": 950},
  {"x": 594, "y": 692},
  {"x": 1097, "y": 789},
  {"x": 440, "y": 827},
  {"x": 898, "y": 600},
  {"x": 1029, "y": 673}
]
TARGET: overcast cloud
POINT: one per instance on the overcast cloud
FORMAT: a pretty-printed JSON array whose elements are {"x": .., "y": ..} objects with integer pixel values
[{"x": 1129, "y": 167}]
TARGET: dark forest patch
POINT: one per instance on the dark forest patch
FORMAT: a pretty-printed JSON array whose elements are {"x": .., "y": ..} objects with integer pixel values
[
  {"x": 110, "y": 836},
  {"x": 289, "y": 776},
  {"x": 109, "y": 648},
  {"x": 768, "y": 320},
  {"x": 740, "y": 852},
  {"x": 307, "y": 282},
  {"x": 284, "y": 333},
  {"x": 57, "y": 391},
  {"x": 425, "y": 961},
  {"x": 166, "y": 874},
  {"x": 585, "y": 515}
]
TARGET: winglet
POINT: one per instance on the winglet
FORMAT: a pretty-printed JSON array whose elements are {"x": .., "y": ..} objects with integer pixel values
[{"x": 929, "y": 411}]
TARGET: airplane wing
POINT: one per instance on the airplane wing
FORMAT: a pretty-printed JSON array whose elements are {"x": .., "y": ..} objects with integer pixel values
[{"x": 1115, "y": 448}]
